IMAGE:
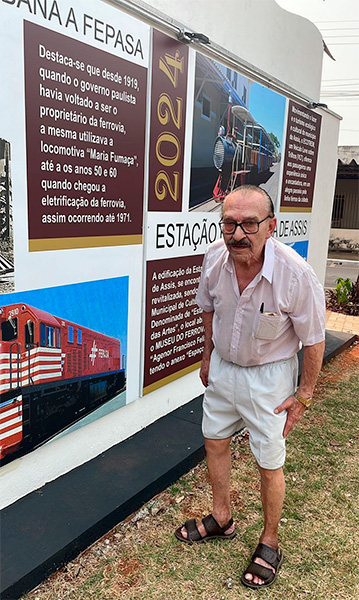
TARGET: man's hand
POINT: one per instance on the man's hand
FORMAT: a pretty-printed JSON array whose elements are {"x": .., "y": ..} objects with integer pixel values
[
  {"x": 208, "y": 346},
  {"x": 312, "y": 362},
  {"x": 203, "y": 373},
  {"x": 295, "y": 411}
]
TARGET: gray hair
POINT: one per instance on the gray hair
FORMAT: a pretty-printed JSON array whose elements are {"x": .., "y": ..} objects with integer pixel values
[{"x": 254, "y": 188}]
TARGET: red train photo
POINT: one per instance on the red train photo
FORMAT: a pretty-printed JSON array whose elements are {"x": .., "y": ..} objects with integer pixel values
[{"x": 53, "y": 372}]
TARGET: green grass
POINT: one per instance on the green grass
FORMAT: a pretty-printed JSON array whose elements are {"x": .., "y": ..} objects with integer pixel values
[{"x": 319, "y": 528}]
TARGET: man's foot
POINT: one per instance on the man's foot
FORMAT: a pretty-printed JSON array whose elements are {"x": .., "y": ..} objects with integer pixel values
[
  {"x": 207, "y": 530},
  {"x": 264, "y": 567}
]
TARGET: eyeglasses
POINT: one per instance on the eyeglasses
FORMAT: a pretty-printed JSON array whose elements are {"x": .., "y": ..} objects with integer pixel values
[{"x": 248, "y": 227}]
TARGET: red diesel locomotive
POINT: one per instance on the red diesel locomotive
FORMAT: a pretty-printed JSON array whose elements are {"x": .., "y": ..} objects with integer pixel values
[{"x": 52, "y": 373}]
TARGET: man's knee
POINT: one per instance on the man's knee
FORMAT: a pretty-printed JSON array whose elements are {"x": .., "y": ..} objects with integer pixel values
[
  {"x": 217, "y": 447},
  {"x": 270, "y": 474}
]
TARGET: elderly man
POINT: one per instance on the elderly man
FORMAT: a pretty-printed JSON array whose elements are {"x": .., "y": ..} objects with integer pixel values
[{"x": 260, "y": 302}]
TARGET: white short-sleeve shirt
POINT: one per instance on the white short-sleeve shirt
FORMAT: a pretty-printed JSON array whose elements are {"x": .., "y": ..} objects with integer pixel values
[{"x": 282, "y": 308}]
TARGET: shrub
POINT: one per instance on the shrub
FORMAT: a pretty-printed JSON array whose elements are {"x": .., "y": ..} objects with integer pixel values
[
  {"x": 345, "y": 297},
  {"x": 344, "y": 290}
]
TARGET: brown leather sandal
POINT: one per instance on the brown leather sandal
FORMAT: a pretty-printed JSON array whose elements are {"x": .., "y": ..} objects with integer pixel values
[
  {"x": 214, "y": 531},
  {"x": 272, "y": 557}
]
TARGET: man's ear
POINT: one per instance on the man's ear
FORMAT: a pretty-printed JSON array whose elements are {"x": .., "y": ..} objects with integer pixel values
[{"x": 272, "y": 226}]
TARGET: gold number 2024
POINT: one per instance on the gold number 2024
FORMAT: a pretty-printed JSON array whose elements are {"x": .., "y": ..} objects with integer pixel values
[{"x": 171, "y": 66}]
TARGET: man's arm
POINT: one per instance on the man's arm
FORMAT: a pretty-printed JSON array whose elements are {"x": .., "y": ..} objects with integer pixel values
[
  {"x": 208, "y": 346},
  {"x": 312, "y": 363}
]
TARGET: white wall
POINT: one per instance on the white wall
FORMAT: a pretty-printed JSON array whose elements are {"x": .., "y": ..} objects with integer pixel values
[
  {"x": 323, "y": 194},
  {"x": 283, "y": 45},
  {"x": 351, "y": 235}
]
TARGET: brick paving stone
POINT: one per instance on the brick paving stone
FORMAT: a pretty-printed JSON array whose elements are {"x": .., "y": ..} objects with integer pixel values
[{"x": 341, "y": 322}]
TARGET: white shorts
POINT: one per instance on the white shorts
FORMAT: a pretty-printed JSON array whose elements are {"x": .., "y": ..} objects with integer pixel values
[{"x": 238, "y": 396}]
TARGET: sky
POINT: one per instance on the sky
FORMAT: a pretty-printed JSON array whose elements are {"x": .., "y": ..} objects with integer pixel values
[
  {"x": 268, "y": 109},
  {"x": 87, "y": 304},
  {"x": 338, "y": 22}
]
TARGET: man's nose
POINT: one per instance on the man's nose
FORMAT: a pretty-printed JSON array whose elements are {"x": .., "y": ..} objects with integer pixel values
[{"x": 239, "y": 234}]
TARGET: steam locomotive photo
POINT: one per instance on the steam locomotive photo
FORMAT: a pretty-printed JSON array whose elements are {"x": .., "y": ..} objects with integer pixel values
[
  {"x": 237, "y": 133},
  {"x": 52, "y": 373},
  {"x": 242, "y": 152}
]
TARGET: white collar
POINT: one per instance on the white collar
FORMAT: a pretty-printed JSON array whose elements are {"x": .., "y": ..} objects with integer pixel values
[{"x": 268, "y": 264}]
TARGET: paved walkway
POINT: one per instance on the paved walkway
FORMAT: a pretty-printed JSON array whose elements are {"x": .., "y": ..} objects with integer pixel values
[{"x": 339, "y": 322}]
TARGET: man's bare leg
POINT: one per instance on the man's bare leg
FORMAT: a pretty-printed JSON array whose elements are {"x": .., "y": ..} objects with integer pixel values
[
  {"x": 219, "y": 467},
  {"x": 272, "y": 495}
]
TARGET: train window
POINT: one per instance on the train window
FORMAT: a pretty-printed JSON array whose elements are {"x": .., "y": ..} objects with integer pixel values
[
  {"x": 79, "y": 336},
  {"x": 42, "y": 334},
  {"x": 58, "y": 337},
  {"x": 9, "y": 329},
  {"x": 206, "y": 107},
  {"x": 235, "y": 79},
  {"x": 50, "y": 337},
  {"x": 47, "y": 336},
  {"x": 29, "y": 333},
  {"x": 70, "y": 334},
  {"x": 244, "y": 95}
]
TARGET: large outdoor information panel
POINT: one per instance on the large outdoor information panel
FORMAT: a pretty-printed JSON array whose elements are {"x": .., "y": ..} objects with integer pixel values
[{"x": 118, "y": 144}]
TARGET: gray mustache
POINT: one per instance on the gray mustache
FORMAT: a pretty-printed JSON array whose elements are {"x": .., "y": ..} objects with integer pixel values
[{"x": 245, "y": 243}]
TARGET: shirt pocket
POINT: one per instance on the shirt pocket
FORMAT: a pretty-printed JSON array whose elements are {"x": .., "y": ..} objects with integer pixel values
[{"x": 267, "y": 327}]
